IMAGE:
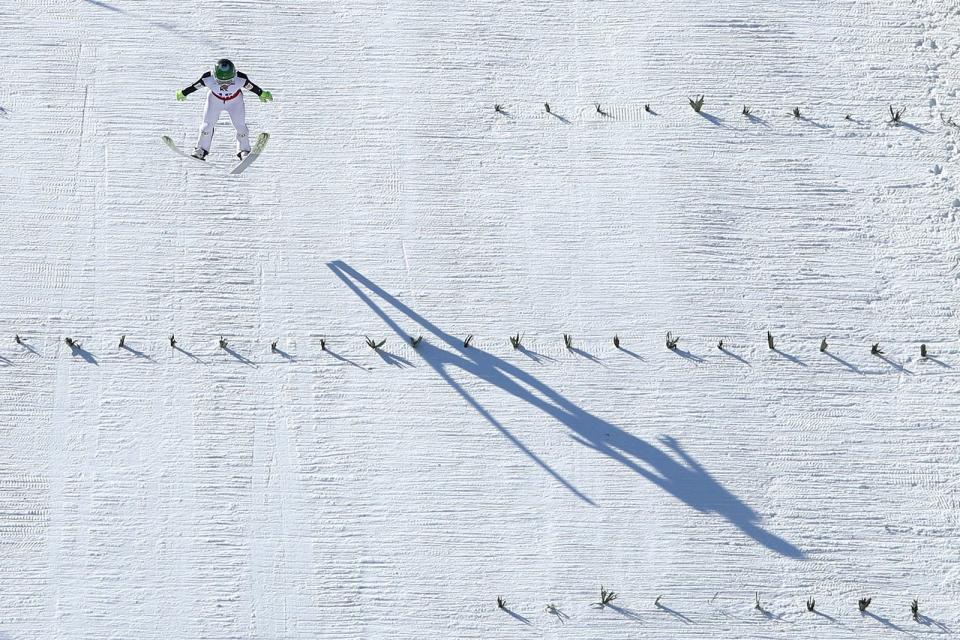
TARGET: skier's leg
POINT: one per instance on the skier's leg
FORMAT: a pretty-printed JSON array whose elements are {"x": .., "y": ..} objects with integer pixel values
[
  {"x": 210, "y": 115},
  {"x": 238, "y": 116}
]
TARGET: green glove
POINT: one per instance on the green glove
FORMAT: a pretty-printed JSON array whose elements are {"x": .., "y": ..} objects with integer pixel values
[
  {"x": 266, "y": 96},
  {"x": 180, "y": 96}
]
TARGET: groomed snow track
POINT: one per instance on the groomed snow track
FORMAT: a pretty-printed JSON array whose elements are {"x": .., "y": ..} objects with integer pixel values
[{"x": 150, "y": 492}]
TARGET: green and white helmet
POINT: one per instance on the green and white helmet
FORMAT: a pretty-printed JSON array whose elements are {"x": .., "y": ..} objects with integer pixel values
[{"x": 225, "y": 71}]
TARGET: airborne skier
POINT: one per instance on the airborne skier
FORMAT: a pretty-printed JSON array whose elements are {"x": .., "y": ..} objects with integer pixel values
[{"x": 226, "y": 86}]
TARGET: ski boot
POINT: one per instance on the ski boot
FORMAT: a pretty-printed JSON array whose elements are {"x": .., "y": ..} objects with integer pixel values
[
  {"x": 242, "y": 154},
  {"x": 200, "y": 154}
]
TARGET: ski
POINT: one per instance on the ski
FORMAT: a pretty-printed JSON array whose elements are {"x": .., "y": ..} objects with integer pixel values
[
  {"x": 257, "y": 149},
  {"x": 173, "y": 147}
]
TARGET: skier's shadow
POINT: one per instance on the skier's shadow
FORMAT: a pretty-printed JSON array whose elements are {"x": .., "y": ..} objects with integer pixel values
[{"x": 666, "y": 465}]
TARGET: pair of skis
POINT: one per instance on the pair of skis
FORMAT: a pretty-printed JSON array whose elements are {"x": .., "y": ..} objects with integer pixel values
[{"x": 255, "y": 151}]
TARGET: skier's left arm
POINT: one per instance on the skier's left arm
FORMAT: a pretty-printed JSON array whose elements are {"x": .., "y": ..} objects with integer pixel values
[{"x": 265, "y": 96}]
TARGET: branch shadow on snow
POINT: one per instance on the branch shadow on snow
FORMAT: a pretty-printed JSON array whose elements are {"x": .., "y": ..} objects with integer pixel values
[
  {"x": 519, "y": 618},
  {"x": 243, "y": 359},
  {"x": 686, "y": 355},
  {"x": 731, "y": 354},
  {"x": 843, "y": 362},
  {"x": 896, "y": 365},
  {"x": 939, "y": 362},
  {"x": 337, "y": 356},
  {"x": 588, "y": 356},
  {"x": 817, "y": 612},
  {"x": 190, "y": 355},
  {"x": 913, "y": 127},
  {"x": 676, "y": 614},
  {"x": 77, "y": 350},
  {"x": 632, "y": 354},
  {"x": 791, "y": 358},
  {"x": 629, "y": 614},
  {"x": 30, "y": 348},
  {"x": 139, "y": 354},
  {"x": 712, "y": 119},
  {"x": 283, "y": 354},
  {"x": 814, "y": 123},
  {"x": 533, "y": 355},
  {"x": 666, "y": 464},
  {"x": 927, "y": 621},
  {"x": 884, "y": 621},
  {"x": 394, "y": 359}
]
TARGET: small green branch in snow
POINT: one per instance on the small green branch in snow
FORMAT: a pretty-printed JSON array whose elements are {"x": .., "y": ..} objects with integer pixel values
[
  {"x": 73, "y": 344},
  {"x": 323, "y": 344},
  {"x": 173, "y": 340},
  {"x": 757, "y": 604},
  {"x": 601, "y": 111},
  {"x": 863, "y": 603},
  {"x": 672, "y": 341},
  {"x": 546, "y": 105},
  {"x": 656, "y": 602},
  {"x": 923, "y": 351},
  {"x": 770, "y": 340},
  {"x": 606, "y": 597},
  {"x": 568, "y": 340},
  {"x": 823, "y": 345},
  {"x": 17, "y": 339},
  {"x": 415, "y": 342},
  {"x": 647, "y": 108},
  {"x": 616, "y": 341},
  {"x": 515, "y": 341},
  {"x": 375, "y": 345},
  {"x": 696, "y": 103},
  {"x": 273, "y": 346},
  {"x": 876, "y": 350},
  {"x": 720, "y": 345},
  {"x": 915, "y": 610},
  {"x": 466, "y": 343},
  {"x": 497, "y": 108},
  {"x": 796, "y": 112},
  {"x": 122, "y": 338},
  {"x": 223, "y": 342},
  {"x": 501, "y": 603},
  {"x": 811, "y": 604},
  {"x": 896, "y": 115},
  {"x": 746, "y": 110}
]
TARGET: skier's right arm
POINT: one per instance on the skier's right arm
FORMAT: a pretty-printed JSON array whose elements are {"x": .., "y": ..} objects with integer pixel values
[{"x": 183, "y": 93}]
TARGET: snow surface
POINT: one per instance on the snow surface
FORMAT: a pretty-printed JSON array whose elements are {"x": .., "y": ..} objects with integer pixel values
[{"x": 200, "y": 493}]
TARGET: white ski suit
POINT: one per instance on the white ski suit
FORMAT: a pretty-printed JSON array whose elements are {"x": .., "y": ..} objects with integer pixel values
[{"x": 224, "y": 96}]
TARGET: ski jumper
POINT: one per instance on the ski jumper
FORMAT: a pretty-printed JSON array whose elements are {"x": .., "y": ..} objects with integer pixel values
[{"x": 224, "y": 96}]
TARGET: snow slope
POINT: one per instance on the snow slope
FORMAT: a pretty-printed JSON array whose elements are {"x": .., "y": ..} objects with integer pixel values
[{"x": 201, "y": 493}]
